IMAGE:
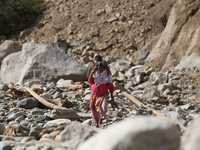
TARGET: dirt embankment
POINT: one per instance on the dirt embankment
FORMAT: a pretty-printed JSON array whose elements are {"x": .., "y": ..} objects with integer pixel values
[
  {"x": 123, "y": 25},
  {"x": 168, "y": 29}
]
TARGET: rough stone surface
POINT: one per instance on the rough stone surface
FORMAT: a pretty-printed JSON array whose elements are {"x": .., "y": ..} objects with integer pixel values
[
  {"x": 28, "y": 103},
  {"x": 7, "y": 48},
  {"x": 61, "y": 113},
  {"x": 147, "y": 133},
  {"x": 57, "y": 122},
  {"x": 2, "y": 129},
  {"x": 76, "y": 133},
  {"x": 191, "y": 137},
  {"x": 41, "y": 64}
]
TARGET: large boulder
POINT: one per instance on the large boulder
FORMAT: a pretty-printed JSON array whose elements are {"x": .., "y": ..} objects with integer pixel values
[
  {"x": 8, "y": 47},
  {"x": 76, "y": 133},
  {"x": 179, "y": 40},
  {"x": 140, "y": 133},
  {"x": 41, "y": 62},
  {"x": 192, "y": 136}
]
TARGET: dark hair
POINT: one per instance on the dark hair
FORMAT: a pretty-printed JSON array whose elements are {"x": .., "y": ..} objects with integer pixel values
[{"x": 98, "y": 57}]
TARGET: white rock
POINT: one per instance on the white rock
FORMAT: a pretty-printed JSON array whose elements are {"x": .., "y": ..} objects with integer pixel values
[
  {"x": 141, "y": 133},
  {"x": 76, "y": 133},
  {"x": 42, "y": 62},
  {"x": 192, "y": 136},
  {"x": 57, "y": 122},
  {"x": 62, "y": 83}
]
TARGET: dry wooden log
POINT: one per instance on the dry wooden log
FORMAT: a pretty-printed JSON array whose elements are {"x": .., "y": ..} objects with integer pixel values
[
  {"x": 135, "y": 101},
  {"x": 59, "y": 128},
  {"x": 11, "y": 130},
  {"x": 43, "y": 101}
]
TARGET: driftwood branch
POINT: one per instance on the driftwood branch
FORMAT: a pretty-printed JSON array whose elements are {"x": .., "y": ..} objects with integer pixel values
[
  {"x": 43, "y": 101},
  {"x": 135, "y": 101}
]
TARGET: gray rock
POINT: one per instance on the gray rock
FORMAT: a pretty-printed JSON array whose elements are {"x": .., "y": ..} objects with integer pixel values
[
  {"x": 128, "y": 85},
  {"x": 61, "y": 83},
  {"x": 42, "y": 118},
  {"x": 170, "y": 86},
  {"x": 112, "y": 20},
  {"x": 175, "y": 116},
  {"x": 113, "y": 70},
  {"x": 79, "y": 44},
  {"x": 74, "y": 134},
  {"x": 87, "y": 97},
  {"x": 121, "y": 75},
  {"x": 138, "y": 78},
  {"x": 158, "y": 78},
  {"x": 191, "y": 137},
  {"x": 57, "y": 122},
  {"x": 19, "y": 146},
  {"x": 28, "y": 103},
  {"x": 15, "y": 115},
  {"x": 35, "y": 131},
  {"x": 141, "y": 133},
  {"x": 8, "y": 47},
  {"x": 63, "y": 113},
  {"x": 85, "y": 60},
  {"x": 129, "y": 73},
  {"x": 122, "y": 65},
  {"x": 57, "y": 95},
  {"x": 84, "y": 105},
  {"x": 88, "y": 121},
  {"x": 47, "y": 147},
  {"x": 30, "y": 83},
  {"x": 46, "y": 95},
  {"x": 189, "y": 61},
  {"x": 5, "y": 147},
  {"x": 41, "y": 64},
  {"x": 186, "y": 106},
  {"x": 2, "y": 129},
  {"x": 141, "y": 58},
  {"x": 2, "y": 113},
  {"x": 37, "y": 112},
  {"x": 51, "y": 85},
  {"x": 150, "y": 92},
  {"x": 19, "y": 119},
  {"x": 33, "y": 147}
]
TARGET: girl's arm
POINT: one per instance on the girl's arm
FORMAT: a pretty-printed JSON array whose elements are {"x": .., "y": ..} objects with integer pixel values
[{"x": 90, "y": 78}]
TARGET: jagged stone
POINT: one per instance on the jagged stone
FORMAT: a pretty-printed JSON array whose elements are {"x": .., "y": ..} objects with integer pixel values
[{"x": 41, "y": 64}]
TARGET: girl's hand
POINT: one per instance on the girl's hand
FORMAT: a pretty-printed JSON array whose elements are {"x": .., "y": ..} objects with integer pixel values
[
  {"x": 92, "y": 72},
  {"x": 113, "y": 104},
  {"x": 108, "y": 70}
]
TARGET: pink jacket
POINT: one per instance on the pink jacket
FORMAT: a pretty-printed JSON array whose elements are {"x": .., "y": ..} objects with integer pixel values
[{"x": 100, "y": 89}]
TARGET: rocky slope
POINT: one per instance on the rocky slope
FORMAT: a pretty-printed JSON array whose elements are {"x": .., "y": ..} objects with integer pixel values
[
  {"x": 166, "y": 30},
  {"x": 162, "y": 33},
  {"x": 110, "y": 25},
  {"x": 172, "y": 93}
]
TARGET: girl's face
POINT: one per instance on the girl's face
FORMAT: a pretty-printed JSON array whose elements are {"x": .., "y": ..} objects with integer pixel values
[
  {"x": 97, "y": 60},
  {"x": 100, "y": 68}
]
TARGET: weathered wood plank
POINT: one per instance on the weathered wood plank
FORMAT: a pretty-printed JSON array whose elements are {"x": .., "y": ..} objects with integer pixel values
[{"x": 135, "y": 101}]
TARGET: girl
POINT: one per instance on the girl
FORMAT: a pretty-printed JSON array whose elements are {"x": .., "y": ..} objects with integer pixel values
[{"x": 101, "y": 81}]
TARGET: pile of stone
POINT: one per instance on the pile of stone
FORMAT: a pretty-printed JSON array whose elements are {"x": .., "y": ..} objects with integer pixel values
[
  {"x": 27, "y": 123},
  {"x": 162, "y": 91}
]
